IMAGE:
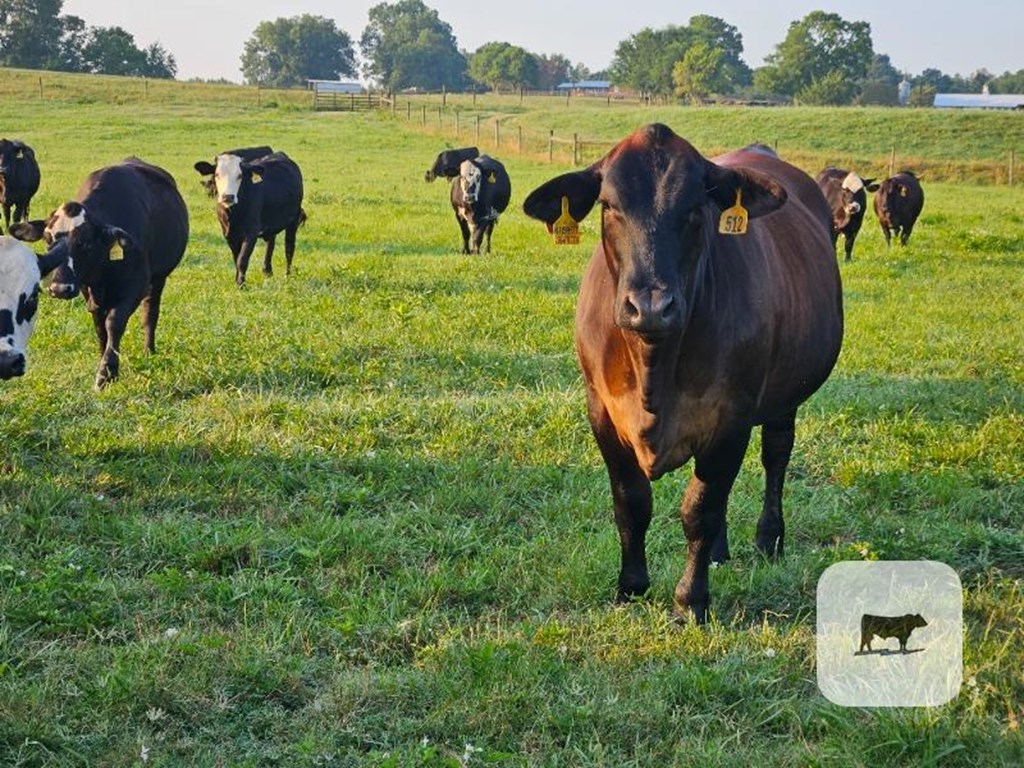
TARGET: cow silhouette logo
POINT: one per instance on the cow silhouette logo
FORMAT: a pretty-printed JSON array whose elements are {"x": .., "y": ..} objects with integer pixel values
[{"x": 887, "y": 627}]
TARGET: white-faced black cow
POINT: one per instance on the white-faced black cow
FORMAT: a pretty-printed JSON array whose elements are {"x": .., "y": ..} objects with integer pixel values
[
  {"x": 688, "y": 337},
  {"x": 846, "y": 195},
  {"x": 898, "y": 203},
  {"x": 257, "y": 199},
  {"x": 20, "y": 272},
  {"x": 121, "y": 237},
  {"x": 448, "y": 163},
  {"x": 19, "y": 179},
  {"x": 246, "y": 153},
  {"x": 480, "y": 194}
]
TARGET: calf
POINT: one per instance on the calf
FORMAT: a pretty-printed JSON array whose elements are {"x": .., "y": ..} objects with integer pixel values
[
  {"x": 689, "y": 337},
  {"x": 20, "y": 272},
  {"x": 19, "y": 179},
  {"x": 898, "y": 203},
  {"x": 846, "y": 194},
  {"x": 448, "y": 162},
  {"x": 246, "y": 153},
  {"x": 480, "y": 194},
  {"x": 120, "y": 238},
  {"x": 885, "y": 627},
  {"x": 257, "y": 199}
]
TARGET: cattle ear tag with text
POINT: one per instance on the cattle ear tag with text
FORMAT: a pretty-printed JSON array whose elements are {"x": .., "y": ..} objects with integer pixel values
[
  {"x": 734, "y": 220},
  {"x": 257, "y": 178},
  {"x": 566, "y": 230},
  {"x": 116, "y": 251}
]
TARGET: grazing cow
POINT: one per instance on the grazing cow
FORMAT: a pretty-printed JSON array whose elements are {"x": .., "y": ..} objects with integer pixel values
[
  {"x": 480, "y": 194},
  {"x": 885, "y": 627},
  {"x": 246, "y": 153},
  {"x": 19, "y": 179},
  {"x": 846, "y": 194},
  {"x": 121, "y": 237},
  {"x": 687, "y": 338},
  {"x": 257, "y": 199},
  {"x": 448, "y": 162},
  {"x": 20, "y": 272},
  {"x": 898, "y": 203}
]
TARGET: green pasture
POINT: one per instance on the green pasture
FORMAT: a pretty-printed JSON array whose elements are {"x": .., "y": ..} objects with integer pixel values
[{"x": 356, "y": 516}]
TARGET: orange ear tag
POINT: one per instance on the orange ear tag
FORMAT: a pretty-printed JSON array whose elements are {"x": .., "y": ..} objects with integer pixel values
[
  {"x": 566, "y": 230},
  {"x": 734, "y": 220}
]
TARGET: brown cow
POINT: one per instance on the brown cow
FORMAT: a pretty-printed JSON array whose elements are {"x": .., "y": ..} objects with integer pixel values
[
  {"x": 688, "y": 338},
  {"x": 847, "y": 195},
  {"x": 898, "y": 203}
]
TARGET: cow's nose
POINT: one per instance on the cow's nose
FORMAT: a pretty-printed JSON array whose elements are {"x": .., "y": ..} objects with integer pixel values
[
  {"x": 62, "y": 290},
  {"x": 12, "y": 364},
  {"x": 650, "y": 312},
  {"x": 227, "y": 199}
]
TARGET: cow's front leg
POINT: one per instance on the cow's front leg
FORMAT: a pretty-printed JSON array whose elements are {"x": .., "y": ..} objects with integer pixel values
[
  {"x": 110, "y": 363},
  {"x": 703, "y": 514},
  {"x": 242, "y": 260},
  {"x": 776, "y": 448},
  {"x": 631, "y": 497},
  {"x": 268, "y": 270},
  {"x": 464, "y": 228}
]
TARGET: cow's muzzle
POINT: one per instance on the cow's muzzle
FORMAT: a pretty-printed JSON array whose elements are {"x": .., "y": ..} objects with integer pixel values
[
  {"x": 228, "y": 200},
  {"x": 650, "y": 312},
  {"x": 12, "y": 364},
  {"x": 63, "y": 290}
]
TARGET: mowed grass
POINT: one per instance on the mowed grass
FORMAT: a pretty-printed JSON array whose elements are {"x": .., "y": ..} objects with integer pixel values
[{"x": 356, "y": 517}]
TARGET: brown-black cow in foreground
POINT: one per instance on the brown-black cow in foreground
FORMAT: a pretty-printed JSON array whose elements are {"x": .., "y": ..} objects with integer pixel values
[
  {"x": 121, "y": 237},
  {"x": 205, "y": 169},
  {"x": 847, "y": 196},
  {"x": 687, "y": 338},
  {"x": 885, "y": 627},
  {"x": 898, "y": 203}
]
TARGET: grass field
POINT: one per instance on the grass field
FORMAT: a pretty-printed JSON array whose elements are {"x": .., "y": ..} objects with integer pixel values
[{"x": 356, "y": 517}]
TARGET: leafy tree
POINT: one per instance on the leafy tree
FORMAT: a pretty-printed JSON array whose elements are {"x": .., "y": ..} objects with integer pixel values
[
  {"x": 503, "y": 64},
  {"x": 553, "y": 70},
  {"x": 112, "y": 51},
  {"x": 816, "y": 47},
  {"x": 881, "y": 83},
  {"x": 407, "y": 45},
  {"x": 73, "y": 38},
  {"x": 30, "y": 33},
  {"x": 288, "y": 51},
  {"x": 832, "y": 89},
  {"x": 724, "y": 37},
  {"x": 1008, "y": 82},
  {"x": 160, "y": 63},
  {"x": 700, "y": 72}
]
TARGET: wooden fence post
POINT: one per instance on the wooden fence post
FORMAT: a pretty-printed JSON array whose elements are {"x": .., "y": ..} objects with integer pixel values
[
  {"x": 497, "y": 133},
  {"x": 575, "y": 148},
  {"x": 1013, "y": 162},
  {"x": 551, "y": 145},
  {"x": 520, "y": 139},
  {"x": 408, "y": 110},
  {"x": 424, "y": 115},
  {"x": 456, "y": 123},
  {"x": 439, "y": 123},
  {"x": 40, "y": 89},
  {"x": 478, "y": 129},
  {"x": 892, "y": 162}
]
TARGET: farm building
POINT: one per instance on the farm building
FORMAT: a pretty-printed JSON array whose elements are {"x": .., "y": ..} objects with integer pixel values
[
  {"x": 979, "y": 101},
  {"x": 594, "y": 87},
  {"x": 334, "y": 86}
]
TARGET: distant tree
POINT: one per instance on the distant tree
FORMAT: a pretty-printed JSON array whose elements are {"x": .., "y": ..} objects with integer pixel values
[
  {"x": 288, "y": 51},
  {"x": 934, "y": 79},
  {"x": 30, "y": 33},
  {"x": 500, "y": 65},
  {"x": 700, "y": 72},
  {"x": 881, "y": 83},
  {"x": 73, "y": 38},
  {"x": 553, "y": 70},
  {"x": 160, "y": 63},
  {"x": 820, "y": 53},
  {"x": 723, "y": 37},
  {"x": 881, "y": 70},
  {"x": 1008, "y": 83},
  {"x": 407, "y": 45},
  {"x": 112, "y": 51}
]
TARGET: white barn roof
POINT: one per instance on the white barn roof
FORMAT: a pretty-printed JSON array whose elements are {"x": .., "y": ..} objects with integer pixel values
[
  {"x": 334, "y": 86},
  {"x": 979, "y": 100}
]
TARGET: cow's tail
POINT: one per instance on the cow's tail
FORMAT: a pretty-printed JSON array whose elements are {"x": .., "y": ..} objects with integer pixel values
[{"x": 302, "y": 216}]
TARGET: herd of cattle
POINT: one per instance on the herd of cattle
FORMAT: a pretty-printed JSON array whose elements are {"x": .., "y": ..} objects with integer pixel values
[{"x": 692, "y": 327}]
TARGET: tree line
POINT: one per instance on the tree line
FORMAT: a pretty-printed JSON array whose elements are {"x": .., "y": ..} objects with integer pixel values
[{"x": 823, "y": 59}]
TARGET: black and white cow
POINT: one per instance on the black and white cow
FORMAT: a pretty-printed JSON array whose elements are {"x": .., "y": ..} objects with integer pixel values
[
  {"x": 246, "y": 153},
  {"x": 20, "y": 273},
  {"x": 257, "y": 199},
  {"x": 19, "y": 179},
  {"x": 448, "y": 163},
  {"x": 846, "y": 194},
  {"x": 121, "y": 237},
  {"x": 480, "y": 194}
]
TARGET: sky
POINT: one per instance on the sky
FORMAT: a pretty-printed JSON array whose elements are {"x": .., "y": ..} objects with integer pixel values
[{"x": 206, "y": 37}]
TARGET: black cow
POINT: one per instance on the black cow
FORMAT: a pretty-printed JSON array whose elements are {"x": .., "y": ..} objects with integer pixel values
[
  {"x": 898, "y": 203},
  {"x": 846, "y": 194},
  {"x": 19, "y": 179},
  {"x": 121, "y": 237},
  {"x": 885, "y": 627},
  {"x": 20, "y": 272},
  {"x": 257, "y": 199},
  {"x": 479, "y": 195},
  {"x": 448, "y": 163},
  {"x": 246, "y": 153},
  {"x": 689, "y": 337}
]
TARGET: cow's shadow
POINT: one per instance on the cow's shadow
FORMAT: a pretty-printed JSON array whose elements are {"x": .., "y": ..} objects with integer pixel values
[{"x": 888, "y": 652}]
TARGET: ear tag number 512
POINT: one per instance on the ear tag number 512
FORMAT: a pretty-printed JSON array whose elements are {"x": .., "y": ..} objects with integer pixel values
[{"x": 734, "y": 220}]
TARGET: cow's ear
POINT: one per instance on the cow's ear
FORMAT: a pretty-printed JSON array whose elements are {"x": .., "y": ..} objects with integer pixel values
[
  {"x": 117, "y": 241},
  {"x": 871, "y": 186},
  {"x": 204, "y": 168},
  {"x": 756, "y": 192},
  {"x": 254, "y": 171},
  {"x": 581, "y": 188},
  {"x": 29, "y": 231}
]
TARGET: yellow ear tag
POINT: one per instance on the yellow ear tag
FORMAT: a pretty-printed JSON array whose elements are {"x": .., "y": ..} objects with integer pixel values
[
  {"x": 566, "y": 230},
  {"x": 493, "y": 177},
  {"x": 903, "y": 191},
  {"x": 257, "y": 178},
  {"x": 734, "y": 220},
  {"x": 116, "y": 251}
]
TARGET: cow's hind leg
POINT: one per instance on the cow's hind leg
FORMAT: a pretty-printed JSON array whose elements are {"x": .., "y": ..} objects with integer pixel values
[
  {"x": 776, "y": 449},
  {"x": 268, "y": 269},
  {"x": 289, "y": 246},
  {"x": 150, "y": 311},
  {"x": 703, "y": 513},
  {"x": 631, "y": 497}
]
